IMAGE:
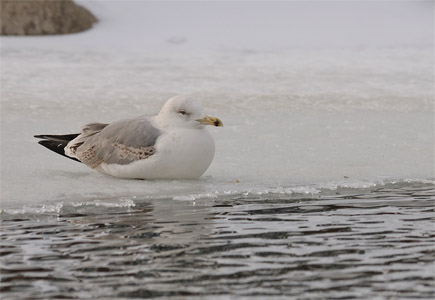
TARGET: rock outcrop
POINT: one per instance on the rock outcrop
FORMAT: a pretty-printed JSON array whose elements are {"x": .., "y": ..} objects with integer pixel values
[{"x": 41, "y": 17}]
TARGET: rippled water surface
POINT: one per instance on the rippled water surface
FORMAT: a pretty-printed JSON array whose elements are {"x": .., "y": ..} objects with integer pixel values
[{"x": 375, "y": 243}]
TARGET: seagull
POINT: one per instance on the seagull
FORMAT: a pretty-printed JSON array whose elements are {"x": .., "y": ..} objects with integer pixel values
[{"x": 173, "y": 144}]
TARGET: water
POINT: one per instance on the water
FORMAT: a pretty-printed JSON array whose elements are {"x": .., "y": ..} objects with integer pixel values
[{"x": 375, "y": 243}]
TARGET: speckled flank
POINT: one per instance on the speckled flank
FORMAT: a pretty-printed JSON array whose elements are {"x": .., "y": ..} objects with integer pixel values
[
  {"x": 90, "y": 158},
  {"x": 134, "y": 153}
]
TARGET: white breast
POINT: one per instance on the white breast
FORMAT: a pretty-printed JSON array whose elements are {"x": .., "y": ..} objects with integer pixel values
[{"x": 180, "y": 154}]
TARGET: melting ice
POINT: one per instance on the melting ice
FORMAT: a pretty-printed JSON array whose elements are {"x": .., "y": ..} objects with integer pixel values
[{"x": 307, "y": 105}]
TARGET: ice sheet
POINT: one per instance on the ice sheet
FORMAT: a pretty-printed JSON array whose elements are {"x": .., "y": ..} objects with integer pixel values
[{"x": 306, "y": 104}]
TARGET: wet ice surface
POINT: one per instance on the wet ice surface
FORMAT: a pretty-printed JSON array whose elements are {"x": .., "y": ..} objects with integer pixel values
[
  {"x": 295, "y": 119},
  {"x": 373, "y": 243},
  {"x": 323, "y": 181}
]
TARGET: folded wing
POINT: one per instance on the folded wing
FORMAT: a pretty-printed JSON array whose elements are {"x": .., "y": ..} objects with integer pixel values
[{"x": 121, "y": 142}]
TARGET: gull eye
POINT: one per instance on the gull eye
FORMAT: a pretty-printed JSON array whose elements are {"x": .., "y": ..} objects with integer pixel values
[{"x": 183, "y": 112}]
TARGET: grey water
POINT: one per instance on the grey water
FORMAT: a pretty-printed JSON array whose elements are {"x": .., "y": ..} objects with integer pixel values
[{"x": 371, "y": 243}]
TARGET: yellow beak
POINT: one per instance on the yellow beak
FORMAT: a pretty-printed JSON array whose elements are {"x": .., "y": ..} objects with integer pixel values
[{"x": 211, "y": 121}]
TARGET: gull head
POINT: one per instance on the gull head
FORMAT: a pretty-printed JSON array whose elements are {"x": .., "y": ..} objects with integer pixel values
[{"x": 182, "y": 111}]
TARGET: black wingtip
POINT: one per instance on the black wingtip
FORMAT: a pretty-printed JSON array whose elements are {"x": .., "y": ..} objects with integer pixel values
[
  {"x": 57, "y": 143},
  {"x": 58, "y": 137}
]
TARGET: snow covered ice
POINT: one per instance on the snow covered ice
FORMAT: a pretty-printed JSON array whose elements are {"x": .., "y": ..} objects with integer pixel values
[
  {"x": 306, "y": 104},
  {"x": 322, "y": 184}
]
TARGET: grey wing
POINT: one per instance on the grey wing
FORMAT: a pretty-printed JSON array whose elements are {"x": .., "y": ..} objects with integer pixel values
[{"x": 121, "y": 142}]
